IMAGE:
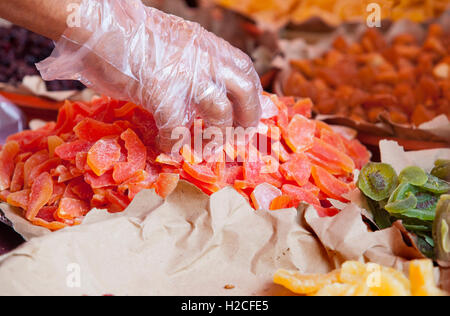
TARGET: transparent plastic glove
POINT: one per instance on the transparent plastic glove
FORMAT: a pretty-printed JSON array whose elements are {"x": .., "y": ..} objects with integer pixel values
[{"x": 175, "y": 68}]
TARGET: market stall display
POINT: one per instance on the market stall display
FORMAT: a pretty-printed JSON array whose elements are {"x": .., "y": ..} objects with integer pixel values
[
  {"x": 342, "y": 189},
  {"x": 407, "y": 81},
  {"x": 334, "y": 12}
]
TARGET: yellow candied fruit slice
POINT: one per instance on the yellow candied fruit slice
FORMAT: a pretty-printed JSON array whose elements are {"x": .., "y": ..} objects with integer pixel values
[{"x": 304, "y": 284}]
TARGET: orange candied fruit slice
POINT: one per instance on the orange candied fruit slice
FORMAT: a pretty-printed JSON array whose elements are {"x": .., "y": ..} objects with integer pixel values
[
  {"x": 329, "y": 184},
  {"x": 136, "y": 158},
  {"x": 7, "y": 156},
  {"x": 300, "y": 133},
  {"x": 104, "y": 155},
  {"x": 41, "y": 193},
  {"x": 166, "y": 184}
]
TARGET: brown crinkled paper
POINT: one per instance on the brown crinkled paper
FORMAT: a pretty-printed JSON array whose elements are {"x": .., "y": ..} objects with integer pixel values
[
  {"x": 192, "y": 244},
  {"x": 188, "y": 245}
]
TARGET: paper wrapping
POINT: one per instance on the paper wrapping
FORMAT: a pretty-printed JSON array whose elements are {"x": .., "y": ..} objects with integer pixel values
[
  {"x": 192, "y": 244},
  {"x": 189, "y": 244}
]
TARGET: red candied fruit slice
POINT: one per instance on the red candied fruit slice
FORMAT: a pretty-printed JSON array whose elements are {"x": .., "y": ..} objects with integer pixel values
[
  {"x": 53, "y": 143},
  {"x": 302, "y": 107},
  {"x": 333, "y": 139},
  {"x": 299, "y": 195},
  {"x": 202, "y": 173},
  {"x": 92, "y": 130},
  {"x": 46, "y": 166},
  {"x": 72, "y": 208},
  {"x": 104, "y": 155},
  {"x": 329, "y": 155},
  {"x": 136, "y": 159},
  {"x": 96, "y": 182},
  {"x": 125, "y": 110},
  {"x": 360, "y": 155},
  {"x": 7, "y": 158},
  {"x": 166, "y": 184},
  {"x": 35, "y": 160},
  {"x": 119, "y": 202},
  {"x": 300, "y": 133},
  {"x": 68, "y": 151},
  {"x": 263, "y": 195},
  {"x": 41, "y": 193},
  {"x": 46, "y": 218},
  {"x": 19, "y": 199},
  {"x": 297, "y": 169},
  {"x": 329, "y": 184}
]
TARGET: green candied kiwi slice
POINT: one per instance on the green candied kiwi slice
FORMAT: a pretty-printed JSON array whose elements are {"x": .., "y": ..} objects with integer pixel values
[
  {"x": 425, "y": 208},
  {"x": 377, "y": 181},
  {"x": 441, "y": 231},
  {"x": 436, "y": 185},
  {"x": 442, "y": 170},
  {"x": 413, "y": 175},
  {"x": 401, "y": 206}
]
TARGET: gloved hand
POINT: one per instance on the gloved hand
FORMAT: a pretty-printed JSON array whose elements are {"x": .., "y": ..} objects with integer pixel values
[{"x": 175, "y": 68}]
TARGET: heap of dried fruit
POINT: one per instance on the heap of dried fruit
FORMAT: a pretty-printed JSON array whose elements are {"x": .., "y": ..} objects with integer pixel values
[
  {"x": 358, "y": 279},
  {"x": 407, "y": 81},
  {"x": 416, "y": 198},
  {"x": 101, "y": 154}
]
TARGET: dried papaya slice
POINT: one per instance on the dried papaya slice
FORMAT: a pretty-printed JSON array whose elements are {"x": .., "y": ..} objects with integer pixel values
[
  {"x": 58, "y": 192},
  {"x": 299, "y": 135},
  {"x": 35, "y": 160},
  {"x": 263, "y": 195},
  {"x": 41, "y": 193},
  {"x": 202, "y": 172},
  {"x": 329, "y": 184},
  {"x": 280, "y": 202},
  {"x": 298, "y": 195},
  {"x": 53, "y": 226},
  {"x": 104, "y": 155},
  {"x": 53, "y": 142},
  {"x": 91, "y": 130},
  {"x": 360, "y": 155},
  {"x": 280, "y": 152},
  {"x": 136, "y": 159},
  {"x": 119, "y": 202},
  {"x": 125, "y": 110},
  {"x": 330, "y": 155},
  {"x": 297, "y": 169},
  {"x": 18, "y": 178},
  {"x": 46, "y": 166},
  {"x": 62, "y": 173},
  {"x": 166, "y": 184},
  {"x": 99, "y": 182},
  {"x": 207, "y": 188},
  {"x": 303, "y": 107},
  {"x": 72, "y": 208},
  {"x": 19, "y": 199},
  {"x": 68, "y": 151},
  {"x": 7, "y": 158},
  {"x": 168, "y": 160}
]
